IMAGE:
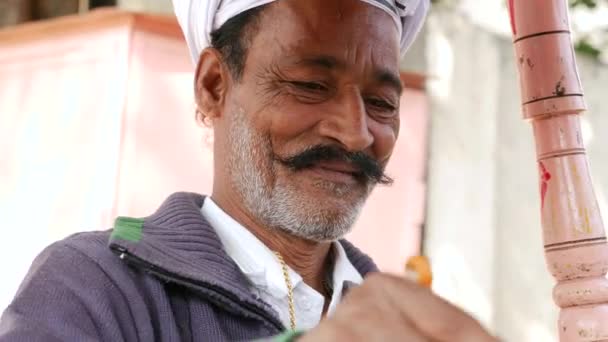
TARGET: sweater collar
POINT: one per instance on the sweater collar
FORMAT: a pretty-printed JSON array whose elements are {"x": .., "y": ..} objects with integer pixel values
[{"x": 179, "y": 241}]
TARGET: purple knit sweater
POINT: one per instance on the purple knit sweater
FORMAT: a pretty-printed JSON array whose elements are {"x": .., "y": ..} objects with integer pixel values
[{"x": 162, "y": 278}]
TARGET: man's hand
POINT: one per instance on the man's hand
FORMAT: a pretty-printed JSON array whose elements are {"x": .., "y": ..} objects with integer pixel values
[{"x": 391, "y": 308}]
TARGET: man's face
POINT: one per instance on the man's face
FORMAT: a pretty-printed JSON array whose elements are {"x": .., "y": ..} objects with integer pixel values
[{"x": 306, "y": 132}]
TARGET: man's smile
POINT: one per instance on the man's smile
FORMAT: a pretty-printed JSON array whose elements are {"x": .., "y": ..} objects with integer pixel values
[{"x": 334, "y": 171}]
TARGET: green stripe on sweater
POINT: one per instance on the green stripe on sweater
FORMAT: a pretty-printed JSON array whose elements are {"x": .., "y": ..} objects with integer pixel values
[
  {"x": 288, "y": 336},
  {"x": 127, "y": 228}
]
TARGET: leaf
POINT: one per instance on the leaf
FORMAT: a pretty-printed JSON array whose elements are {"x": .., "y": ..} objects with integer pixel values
[
  {"x": 583, "y": 46},
  {"x": 586, "y": 3}
]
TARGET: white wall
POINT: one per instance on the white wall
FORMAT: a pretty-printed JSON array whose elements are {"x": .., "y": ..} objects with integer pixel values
[
  {"x": 483, "y": 222},
  {"x": 462, "y": 162}
]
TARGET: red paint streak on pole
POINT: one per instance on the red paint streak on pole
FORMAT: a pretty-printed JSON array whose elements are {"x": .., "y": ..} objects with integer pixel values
[
  {"x": 512, "y": 16},
  {"x": 545, "y": 176}
]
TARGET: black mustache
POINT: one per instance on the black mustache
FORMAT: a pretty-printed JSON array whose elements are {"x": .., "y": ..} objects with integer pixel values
[{"x": 368, "y": 169}]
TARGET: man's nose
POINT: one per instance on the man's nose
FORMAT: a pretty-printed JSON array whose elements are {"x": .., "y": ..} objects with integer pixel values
[{"x": 346, "y": 122}]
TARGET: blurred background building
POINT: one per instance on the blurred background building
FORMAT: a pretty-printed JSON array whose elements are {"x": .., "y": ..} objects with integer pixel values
[{"x": 82, "y": 98}]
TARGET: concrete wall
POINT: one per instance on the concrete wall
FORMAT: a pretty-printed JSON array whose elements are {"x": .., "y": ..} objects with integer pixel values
[
  {"x": 462, "y": 162},
  {"x": 483, "y": 221},
  {"x": 153, "y": 6}
]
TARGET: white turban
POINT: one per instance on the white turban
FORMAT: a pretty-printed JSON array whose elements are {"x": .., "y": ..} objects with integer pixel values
[{"x": 198, "y": 18}]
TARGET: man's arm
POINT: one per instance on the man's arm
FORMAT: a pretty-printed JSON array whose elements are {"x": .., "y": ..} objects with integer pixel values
[{"x": 65, "y": 296}]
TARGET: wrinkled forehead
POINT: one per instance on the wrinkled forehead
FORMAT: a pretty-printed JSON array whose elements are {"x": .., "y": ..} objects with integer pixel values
[{"x": 349, "y": 30}]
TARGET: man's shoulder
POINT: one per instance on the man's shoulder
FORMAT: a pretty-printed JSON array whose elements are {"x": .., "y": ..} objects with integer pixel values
[
  {"x": 81, "y": 283},
  {"x": 81, "y": 264},
  {"x": 80, "y": 254},
  {"x": 92, "y": 245}
]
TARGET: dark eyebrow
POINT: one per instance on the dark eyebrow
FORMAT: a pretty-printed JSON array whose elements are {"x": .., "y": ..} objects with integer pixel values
[
  {"x": 385, "y": 76},
  {"x": 322, "y": 61},
  {"x": 381, "y": 75}
]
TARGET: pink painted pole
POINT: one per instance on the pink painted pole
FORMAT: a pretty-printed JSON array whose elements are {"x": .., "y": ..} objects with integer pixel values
[{"x": 574, "y": 238}]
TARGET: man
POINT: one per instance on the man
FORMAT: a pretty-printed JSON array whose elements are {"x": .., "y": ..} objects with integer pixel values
[{"x": 303, "y": 98}]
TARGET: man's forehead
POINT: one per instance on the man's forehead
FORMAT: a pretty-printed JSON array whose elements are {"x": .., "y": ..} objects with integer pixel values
[
  {"x": 321, "y": 14},
  {"x": 303, "y": 33},
  {"x": 331, "y": 7}
]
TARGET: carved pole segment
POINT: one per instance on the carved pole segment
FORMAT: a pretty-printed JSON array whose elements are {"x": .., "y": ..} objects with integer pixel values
[{"x": 552, "y": 99}]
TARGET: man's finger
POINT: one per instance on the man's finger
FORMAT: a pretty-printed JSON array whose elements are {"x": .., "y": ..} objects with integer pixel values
[{"x": 433, "y": 316}]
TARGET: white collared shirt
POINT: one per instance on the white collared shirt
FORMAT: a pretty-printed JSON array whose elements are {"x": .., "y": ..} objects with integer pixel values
[{"x": 265, "y": 272}]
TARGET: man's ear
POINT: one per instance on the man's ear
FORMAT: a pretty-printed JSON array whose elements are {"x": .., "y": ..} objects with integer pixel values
[{"x": 211, "y": 84}]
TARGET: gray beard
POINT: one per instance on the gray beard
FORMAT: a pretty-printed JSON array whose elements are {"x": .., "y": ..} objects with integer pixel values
[{"x": 279, "y": 205}]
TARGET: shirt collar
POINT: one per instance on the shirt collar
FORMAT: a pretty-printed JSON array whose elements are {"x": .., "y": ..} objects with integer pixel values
[
  {"x": 255, "y": 260},
  {"x": 259, "y": 263}
]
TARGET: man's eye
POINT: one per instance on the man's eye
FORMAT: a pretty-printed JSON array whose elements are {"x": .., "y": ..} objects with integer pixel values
[
  {"x": 382, "y": 105},
  {"x": 310, "y": 86}
]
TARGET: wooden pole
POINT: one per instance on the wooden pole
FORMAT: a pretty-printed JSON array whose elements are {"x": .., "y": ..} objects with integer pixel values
[{"x": 574, "y": 238}]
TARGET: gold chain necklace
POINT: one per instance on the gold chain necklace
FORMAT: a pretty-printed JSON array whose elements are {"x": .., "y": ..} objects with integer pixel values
[{"x": 292, "y": 308}]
